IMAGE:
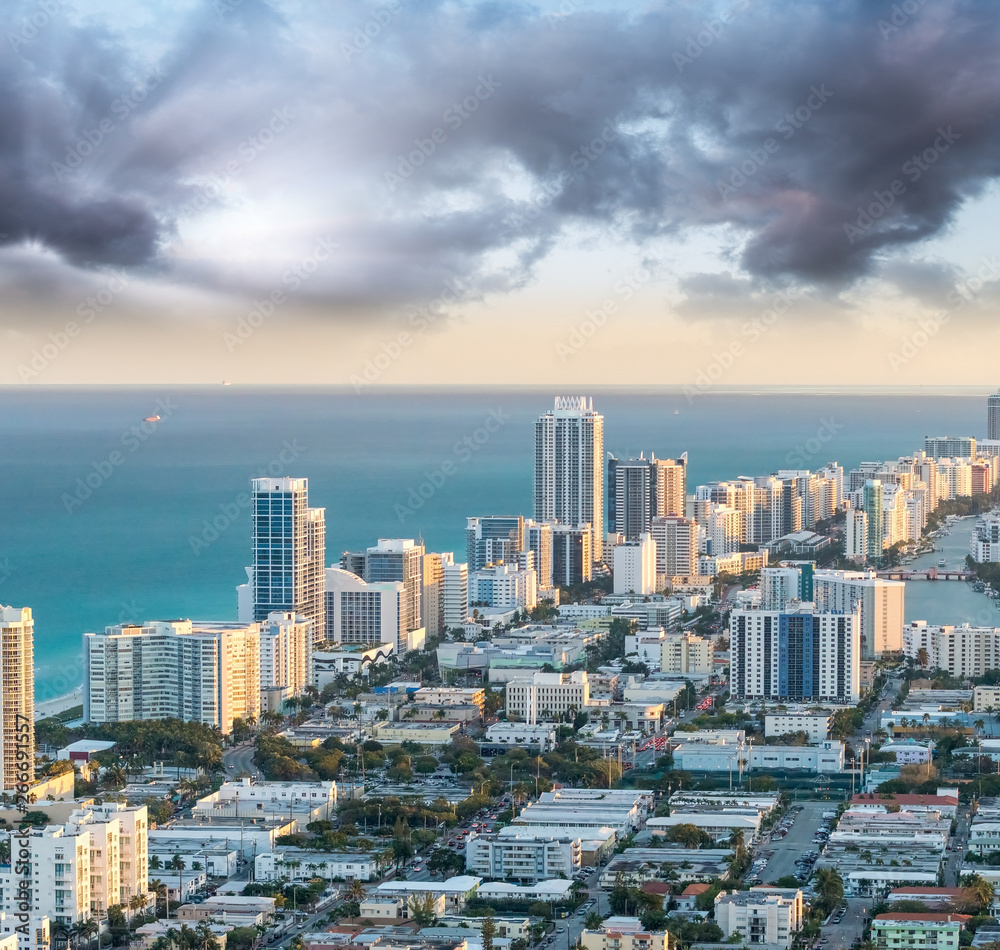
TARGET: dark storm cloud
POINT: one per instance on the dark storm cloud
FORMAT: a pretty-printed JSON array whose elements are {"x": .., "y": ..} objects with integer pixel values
[{"x": 436, "y": 141}]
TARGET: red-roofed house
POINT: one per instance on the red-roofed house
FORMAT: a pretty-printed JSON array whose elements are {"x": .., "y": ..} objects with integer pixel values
[{"x": 686, "y": 900}]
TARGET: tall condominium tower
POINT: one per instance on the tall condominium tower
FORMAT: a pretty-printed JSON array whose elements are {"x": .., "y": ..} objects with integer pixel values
[
  {"x": 493, "y": 538},
  {"x": 399, "y": 559},
  {"x": 569, "y": 467},
  {"x": 872, "y": 504},
  {"x": 17, "y": 704},
  {"x": 642, "y": 489},
  {"x": 289, "y": 550},
  {"x": 538, "y": 540},
  {"x": 993, "y": 416},
  {"x": 201, "y": 672}
]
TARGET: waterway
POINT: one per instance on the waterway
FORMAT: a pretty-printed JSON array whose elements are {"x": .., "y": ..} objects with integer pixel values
[{"x": 949, "y": 602}]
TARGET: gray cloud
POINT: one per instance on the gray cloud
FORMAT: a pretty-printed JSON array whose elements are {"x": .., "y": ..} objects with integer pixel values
[{"x": 465, "y": 141}]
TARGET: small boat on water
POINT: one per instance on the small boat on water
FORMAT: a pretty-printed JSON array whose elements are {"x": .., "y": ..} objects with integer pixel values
[
  {"x": 151, "y": 419},
  {"x": 942, "y": 563}
]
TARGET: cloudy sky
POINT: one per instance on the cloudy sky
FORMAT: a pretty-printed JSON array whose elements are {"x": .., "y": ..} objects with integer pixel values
[{"x": 425, "y": 191}]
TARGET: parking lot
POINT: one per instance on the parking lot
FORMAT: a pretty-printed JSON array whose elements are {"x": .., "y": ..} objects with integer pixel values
[{"x": 784, "y": 851}]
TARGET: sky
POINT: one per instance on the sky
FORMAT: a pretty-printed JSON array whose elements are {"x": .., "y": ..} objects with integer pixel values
[{"x": 436, "y": 192}]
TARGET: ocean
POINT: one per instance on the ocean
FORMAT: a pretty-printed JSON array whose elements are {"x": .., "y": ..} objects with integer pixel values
[{"x": 105, "y": 518}]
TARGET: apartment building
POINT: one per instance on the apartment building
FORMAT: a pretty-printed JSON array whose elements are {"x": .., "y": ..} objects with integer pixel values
[
  {"x": 963, "y": 651},
  {"x": 626, "y": 933},
  {"x": 879, "y": 603},
  {"x": 521, "y": 855},
  {"x": 543, "y": 695},
  {"x": 199, "y": 671},
  {"x": 17, "y": 676},
  {"x": 686, "y": 653},
  {"x": 896, "y": 931},
  {"x": 286, "y": 643},
  {"x": 766, "y": 917}
]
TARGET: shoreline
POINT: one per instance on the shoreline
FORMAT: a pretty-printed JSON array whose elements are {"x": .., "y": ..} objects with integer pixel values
[{"x": 52, "y": 707}]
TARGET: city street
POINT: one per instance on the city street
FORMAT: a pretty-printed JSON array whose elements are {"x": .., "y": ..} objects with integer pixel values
[
  {"x": 841, "y": 936},
  {"x": 239, "y": 759}
]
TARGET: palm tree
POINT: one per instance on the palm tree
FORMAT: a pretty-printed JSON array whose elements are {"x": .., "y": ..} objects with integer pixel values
[
  {"x": 137, "y": 903},
  {"x": 593, "y": 921},
  {"x": 829, "y": 887},
  {"x": 979, "y": 890},
  {"x": 923, "y": 658},
  {"x": 356, "y": 890}
]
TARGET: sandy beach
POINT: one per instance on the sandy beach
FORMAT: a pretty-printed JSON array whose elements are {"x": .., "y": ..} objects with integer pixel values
[{"x": 52, "y": 707}]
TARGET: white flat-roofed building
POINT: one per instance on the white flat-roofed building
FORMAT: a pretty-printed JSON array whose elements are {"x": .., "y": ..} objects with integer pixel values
[
  {"x": 767, "y": 917},
  {"x": 531, "y": 697},
  {"x": 635, "y": 566},
  {"x": 423, "y": 733},
  {"x": 963, "y": 651},
  {"x": 827, "y": 756},
  {"x": 286, "y": 641},
  {"x": 199, "y": 671},
  {"x": 907, "y": 751},
  {"x": 522, "y": 855},
  {"x": 504, "y": 735},
  {"x": 815, "y": 725},
  {"x": 359, "y": 612},
  {"x": 455, "y": 594},
  {"x": 503, "y": 586},
  {"x": 551, "y": 890},
  {"x": 573, "y": 808},
  {"x": 455, "y": 890},
  {"x": 295, "y": 863},
  {"x": 451, "y": 696},
  {"x": 718, "y": 750},
  {"x": 244, "y": 798},
  {"x": 719, "y": 824}
]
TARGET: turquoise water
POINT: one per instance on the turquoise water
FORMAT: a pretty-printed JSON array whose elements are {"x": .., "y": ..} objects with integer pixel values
[{"x": 142, "y": 546}]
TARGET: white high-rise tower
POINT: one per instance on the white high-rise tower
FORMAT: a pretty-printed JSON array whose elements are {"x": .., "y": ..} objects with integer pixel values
[
  {"x": 569, "y": 467},
  {"x": 289, "y": 547}
]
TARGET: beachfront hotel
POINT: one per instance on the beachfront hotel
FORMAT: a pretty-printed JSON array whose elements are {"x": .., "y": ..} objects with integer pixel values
[
  {"x": 17, "y": 705},
  {"x": 569, "y": 467},
  {"x": 197, "y": 671}
]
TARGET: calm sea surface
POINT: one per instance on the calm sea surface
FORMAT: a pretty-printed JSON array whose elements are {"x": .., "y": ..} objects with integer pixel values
[{"x": 102, "y": 522}]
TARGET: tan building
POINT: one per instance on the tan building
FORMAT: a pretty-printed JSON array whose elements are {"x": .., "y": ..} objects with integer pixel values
[
  {"x": 451, "y": 696},
  {"x": 17, "y": 712},
  {"x": 686, "y": 653},
  {"x": 625, "y": 933},
  {"x": 986, "y": 698}
]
